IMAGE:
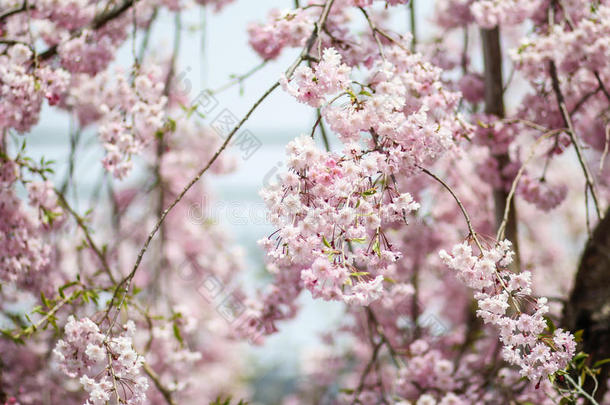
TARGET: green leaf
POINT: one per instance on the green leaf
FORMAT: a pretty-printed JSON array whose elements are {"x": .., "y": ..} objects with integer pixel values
[
  {"x": 227, "y": 401},
  {"x": 45, "y": 301},
  {"x": 326, "y": 242},
  {"x": 579, "y": 359},
  {"x": 177, "y": 334},
  {"x": 600, "y": 363},
  {"x": 376, "y": 248},
  {"x": 549, "y": 324},
  {"x": 370, "y": 191},
  {"x": 352, "y": 95},
  {"x": 9, "y": 334},
  {"x": 389, "y": 280},
  {"x": 62, "y": 288},
  {"x": 172, "y": 124}
]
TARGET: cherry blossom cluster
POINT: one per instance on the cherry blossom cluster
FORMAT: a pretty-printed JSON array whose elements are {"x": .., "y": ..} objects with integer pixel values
[
  {"x": 431, "y": 377},
  {"x": 88, "y": 52},
  {"x": 23, "y": 251},
  {"x": 108, "y": 367},
  {"x": 544, "y": 195},
  {"x": 453, "y": 13},
  {"x": 284, "y": 28},
  {"x": 293, "y": 28},
  {"x": 472, "y": 87},
  {"x": 490, "y": 13},
  {"x": 42, "y": 196},
  {"x": 68, "y": 14},
  {"x": 494, "y": 134},
  {"x": 410, "y": 115},
  {"x": 77, "y": 29},
  {"x": 129, "y": 114},
  {"x": 23, "y": 90},
  {"x": 503, "y": 298},
  {"x": 584, "y": 40},
  {"x": 427, "y": 370},
  {"x": 312, "y": 85},
  {"x": 331, "y": 212}
]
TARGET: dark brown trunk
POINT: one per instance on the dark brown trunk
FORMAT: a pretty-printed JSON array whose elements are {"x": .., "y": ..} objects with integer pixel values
[
  {"x": 588, "y": 307},
  {"x": 494, "y": 104}
]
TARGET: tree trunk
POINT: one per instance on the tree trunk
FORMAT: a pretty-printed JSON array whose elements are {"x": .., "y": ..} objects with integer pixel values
[
  {"x": 494, "y": 104},
  {"x": 588, "y": 307}
]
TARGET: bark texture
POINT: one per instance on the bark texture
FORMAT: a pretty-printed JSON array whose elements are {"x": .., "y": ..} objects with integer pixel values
[
  {"x": 494, "y": 104},
  {"x": 588, "y": 307}
]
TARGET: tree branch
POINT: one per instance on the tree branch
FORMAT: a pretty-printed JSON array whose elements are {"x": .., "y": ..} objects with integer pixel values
[
  {"x": 459, "y": 203},
  {"x": 568, "y": 123},
  {"x": 167, "y": 394},
  {"x": 99, "y": 22},
  {"x": 126, "y": 282}
]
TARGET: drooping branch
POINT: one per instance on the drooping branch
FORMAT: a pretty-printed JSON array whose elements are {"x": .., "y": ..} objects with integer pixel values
[
  {"x": 471, "y": 230},
  {"x": 568, "y": 123},
  {"x": 125, "y": 284},
  {"x": 83, "y": 226}
]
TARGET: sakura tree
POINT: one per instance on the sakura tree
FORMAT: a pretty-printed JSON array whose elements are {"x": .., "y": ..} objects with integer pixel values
[{"x": 451, "y": 193}]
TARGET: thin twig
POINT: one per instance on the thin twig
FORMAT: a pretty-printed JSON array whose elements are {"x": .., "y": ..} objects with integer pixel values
[
  {"x": 240, "y": 78},
  {"x": 81, "y": 224},
  {"x": 127, "y": 280},
  {"x": 14, "y": 11},
  {"x": 459, "y": 203},
  {"x": 605, "y": 152},
  {"x": 513, "y": 188},
  {"x": 580, "y": 390},
  {"x": 568, "y": 122},
  {"x": 602, "y": 86},
  {"x": 166, "y": 392},
  {"x": 79, "y": 221},
  {"x": 413, "y": 25},
  {"x": 374, "y": 31},
  {"x": 48, "y": 315},
  {"x": 584, "y": 99},
  {"x": 323, "y": 131}
]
